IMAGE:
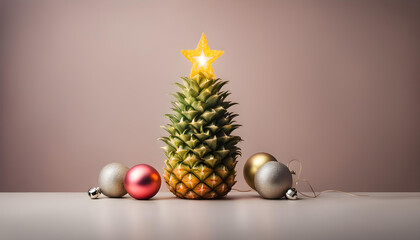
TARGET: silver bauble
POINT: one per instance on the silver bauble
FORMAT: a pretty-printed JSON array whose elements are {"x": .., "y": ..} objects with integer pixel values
[
  {"x": 94, "y": 192},
  {"x": 272, "y": 180},
  {"x": 253, "y": 164},
  {"x": 111, "y": 180},
  {"x": 291, "y": 194}
]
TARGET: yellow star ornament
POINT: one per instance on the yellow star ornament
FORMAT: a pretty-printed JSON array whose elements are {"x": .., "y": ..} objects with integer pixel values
[{"x": 202, "y": 57}]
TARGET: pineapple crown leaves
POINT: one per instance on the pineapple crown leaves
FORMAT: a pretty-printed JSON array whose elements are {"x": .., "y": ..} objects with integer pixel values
[{"x": 201, "y": 123}]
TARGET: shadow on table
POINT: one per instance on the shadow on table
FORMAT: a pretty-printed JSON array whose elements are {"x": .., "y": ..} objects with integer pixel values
[{"x": 227, "y": 198}]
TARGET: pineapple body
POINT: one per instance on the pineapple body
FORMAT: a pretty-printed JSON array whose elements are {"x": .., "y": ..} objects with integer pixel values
[{"x": 200, "y": 149}]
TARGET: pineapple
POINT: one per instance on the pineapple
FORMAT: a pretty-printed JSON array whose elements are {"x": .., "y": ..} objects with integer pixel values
[{"x": 200, "y": 149}]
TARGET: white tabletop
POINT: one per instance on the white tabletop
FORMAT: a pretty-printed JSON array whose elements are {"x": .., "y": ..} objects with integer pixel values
[{"x": 238, "y": 216}]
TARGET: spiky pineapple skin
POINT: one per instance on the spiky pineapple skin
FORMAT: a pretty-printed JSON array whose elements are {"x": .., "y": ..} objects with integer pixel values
[{"x": 200, "y": 149}]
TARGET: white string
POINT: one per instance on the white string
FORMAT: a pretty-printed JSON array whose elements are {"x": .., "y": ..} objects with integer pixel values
[{"x": 298, "y": 179}]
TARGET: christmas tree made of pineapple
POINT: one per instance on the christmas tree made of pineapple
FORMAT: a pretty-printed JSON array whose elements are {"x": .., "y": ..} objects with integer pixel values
[{"x": 200, "y": 149}]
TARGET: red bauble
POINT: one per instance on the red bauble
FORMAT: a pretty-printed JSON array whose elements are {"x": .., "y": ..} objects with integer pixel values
[{"x": 142, "y": 181}]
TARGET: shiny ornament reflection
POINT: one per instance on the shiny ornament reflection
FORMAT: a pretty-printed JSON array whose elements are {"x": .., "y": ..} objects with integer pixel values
[
  {"x": 94, "y": 192},
  {"x": 253, "y": 164},
  {"x": 291, "y": 194},
  {"x": 142, "y": 181}
]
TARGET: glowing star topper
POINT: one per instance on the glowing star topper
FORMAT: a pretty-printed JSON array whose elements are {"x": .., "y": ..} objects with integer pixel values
[{"x": 202, "y": 57}]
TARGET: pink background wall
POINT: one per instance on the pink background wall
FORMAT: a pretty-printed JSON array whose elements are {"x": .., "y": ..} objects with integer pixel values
[{"x": 335, "y": 84}]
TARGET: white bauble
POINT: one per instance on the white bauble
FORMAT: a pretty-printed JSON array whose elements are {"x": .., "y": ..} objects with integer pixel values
[{"x": 111, "y": 180}]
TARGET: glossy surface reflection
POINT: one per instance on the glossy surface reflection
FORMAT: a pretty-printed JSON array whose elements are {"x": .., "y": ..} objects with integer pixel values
[{"x": 142, "y": 181}]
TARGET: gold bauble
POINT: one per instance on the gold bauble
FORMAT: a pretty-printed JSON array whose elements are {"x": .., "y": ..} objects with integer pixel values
[{"x": 253, "y": 164}]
